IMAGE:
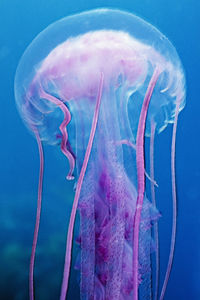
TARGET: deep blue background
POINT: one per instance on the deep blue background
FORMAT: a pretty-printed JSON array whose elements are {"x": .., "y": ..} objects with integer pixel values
[{"x": 20, "y": 22}]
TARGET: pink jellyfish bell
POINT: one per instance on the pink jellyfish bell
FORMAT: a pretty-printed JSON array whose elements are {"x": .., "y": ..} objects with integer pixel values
[{"x": 96, "y": 84}]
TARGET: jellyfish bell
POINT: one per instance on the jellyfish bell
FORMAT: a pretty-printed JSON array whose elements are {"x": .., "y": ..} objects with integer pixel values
[
  {"x": 94, "y": 83},
  {"x": 48, "y": 51}
]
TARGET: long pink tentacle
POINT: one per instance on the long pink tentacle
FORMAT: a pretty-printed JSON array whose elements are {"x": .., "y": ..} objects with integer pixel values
[
  {"x": 174, "y": 217},
  {"x": 141, "y": 179},
  {"x": 128, "y": 143},
  {"x": 37, "y": 222},
  {"x": 63, "y": 129},
  {"x": 153, "y": 197},
  {"x": 77, "y": 195}
]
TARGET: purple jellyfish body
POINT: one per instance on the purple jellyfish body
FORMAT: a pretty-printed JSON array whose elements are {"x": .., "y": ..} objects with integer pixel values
[{"x": 96, "y": 84}]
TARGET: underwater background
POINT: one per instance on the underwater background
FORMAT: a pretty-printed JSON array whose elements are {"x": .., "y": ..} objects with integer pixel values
[{"x": 20, "y": 22}]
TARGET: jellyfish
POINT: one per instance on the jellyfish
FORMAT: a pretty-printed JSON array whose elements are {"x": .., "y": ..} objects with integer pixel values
[{"x": 97, "y": 84}]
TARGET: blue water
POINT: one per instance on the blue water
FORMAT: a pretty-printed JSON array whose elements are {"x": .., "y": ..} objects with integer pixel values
[{"x": 20, "y": 22}]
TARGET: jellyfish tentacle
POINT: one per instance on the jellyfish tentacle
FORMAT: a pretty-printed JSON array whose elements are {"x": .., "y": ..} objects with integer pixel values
[
  {"x": 153, "y": 198},
  {"x": 63, "y": 129},
  {"x": 77, "y": 194},
  {"x": 128, "y": 143},
  {"x": 37, "y": 222},
  {"x": 174, "y": 199},
  {"x": 141, "y": 178},
  {"x": 150, "y": 179}
]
